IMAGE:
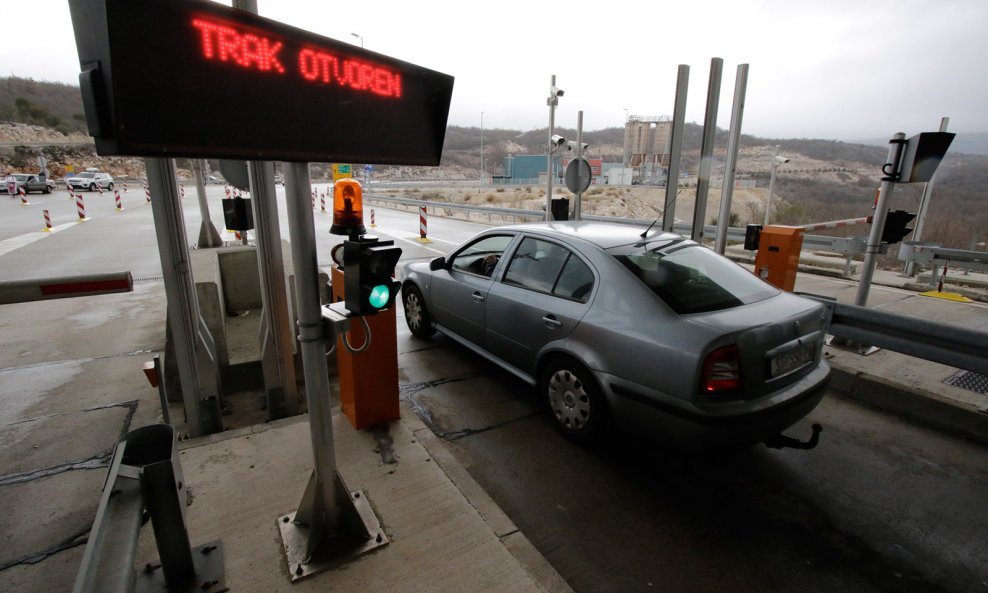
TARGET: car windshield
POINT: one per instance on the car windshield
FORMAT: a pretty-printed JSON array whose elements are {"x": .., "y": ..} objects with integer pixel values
[
  {"x": 85, "y": 175},
  {"x": 691, "y": 278}
]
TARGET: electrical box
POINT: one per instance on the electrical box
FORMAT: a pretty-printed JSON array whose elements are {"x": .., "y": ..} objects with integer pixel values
[
  {"x": 369, "y": 379},
  {"x": 778, "y": 255}
]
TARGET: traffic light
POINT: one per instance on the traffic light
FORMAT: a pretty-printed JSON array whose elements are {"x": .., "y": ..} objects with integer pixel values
[
  {"x": 895, "y": 226},
  {"x": 368, "y": 270}
]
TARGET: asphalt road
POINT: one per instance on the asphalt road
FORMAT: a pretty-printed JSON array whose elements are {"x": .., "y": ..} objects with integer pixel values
[{"x": 880, "y": 505}]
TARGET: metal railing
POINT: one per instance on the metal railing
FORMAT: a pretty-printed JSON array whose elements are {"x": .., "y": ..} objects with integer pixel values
[{"x": 946, "y": 344}]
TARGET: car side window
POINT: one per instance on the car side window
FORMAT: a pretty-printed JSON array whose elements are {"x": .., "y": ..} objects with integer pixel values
[
  {"x": 481, "y": 256},
  {"x": 550, "y": 268}
]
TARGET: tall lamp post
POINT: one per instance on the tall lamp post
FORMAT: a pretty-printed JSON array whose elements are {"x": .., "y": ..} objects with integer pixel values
[
  {"x": 776, "y": 161},
  {"x": 552, "y": 101},
  {"x": 481, "y": 148}
]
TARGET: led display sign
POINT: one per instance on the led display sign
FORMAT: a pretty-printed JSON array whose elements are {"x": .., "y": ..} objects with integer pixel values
[{"x": 191, "y": 78}]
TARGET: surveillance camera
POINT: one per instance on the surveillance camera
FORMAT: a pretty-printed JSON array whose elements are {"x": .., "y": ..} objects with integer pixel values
[
  {"x": 571, "y": 145},
  {"x": 556, "y": 92},
  {"x": 781, "y": 160},
  {"x": 556, "y": 141}
]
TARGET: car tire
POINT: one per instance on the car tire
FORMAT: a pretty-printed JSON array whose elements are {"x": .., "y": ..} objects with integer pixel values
[
  {"x": 92, "y": 187},
  {"x": 574, "y": 401},
  {"x": 416, "y": 314},
  {"x": 47, "y": 190},
  {"x": 109, "y": 187}
]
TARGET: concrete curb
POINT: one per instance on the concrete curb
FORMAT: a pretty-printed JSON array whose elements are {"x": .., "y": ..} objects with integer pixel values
[
  {"x": 914, "y": 404},
  {"x": 544, "y": 575}
]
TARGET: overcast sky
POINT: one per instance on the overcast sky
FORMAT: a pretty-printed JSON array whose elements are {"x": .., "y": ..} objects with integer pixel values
[{"x": 840, "y": 69}]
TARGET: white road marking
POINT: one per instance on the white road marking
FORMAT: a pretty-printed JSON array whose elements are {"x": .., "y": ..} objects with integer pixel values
[
  {"x": 397, "y": 236},
  {"x": 8, "y": 245}
]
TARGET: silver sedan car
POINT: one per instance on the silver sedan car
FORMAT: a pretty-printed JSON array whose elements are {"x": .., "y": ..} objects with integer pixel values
[{"x": 647, "y": 331}]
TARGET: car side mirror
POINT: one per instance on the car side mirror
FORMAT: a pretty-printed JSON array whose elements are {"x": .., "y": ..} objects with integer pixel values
[{"x": 437, "y": 264}]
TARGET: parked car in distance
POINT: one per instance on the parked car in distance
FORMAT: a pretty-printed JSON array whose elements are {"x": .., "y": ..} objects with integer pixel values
[
  {"x": 90, "y": 180},
  {"x": 31, "y": 183},
  {"x": 647, "y": 331}
]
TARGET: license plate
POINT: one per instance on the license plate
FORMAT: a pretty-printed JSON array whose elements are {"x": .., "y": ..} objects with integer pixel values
[{"x": 791, "y": 360}]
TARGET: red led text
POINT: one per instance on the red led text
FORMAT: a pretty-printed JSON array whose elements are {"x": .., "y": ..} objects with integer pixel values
[
  {"x": 327, "y": 68},
  {"x": 250, "y": 51},
  {"x": 225, "y": 44}
]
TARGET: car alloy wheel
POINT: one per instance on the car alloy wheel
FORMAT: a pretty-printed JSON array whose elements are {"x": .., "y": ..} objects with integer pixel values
[
  {"x": 416, "y": 315},
  {"x": 574, "y": 400}
]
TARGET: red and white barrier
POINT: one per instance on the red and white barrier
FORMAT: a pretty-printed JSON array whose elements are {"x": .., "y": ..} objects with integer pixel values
[
  {"x": 116, "y": 196},
  {"x": 322, "y": 202},
  {"x": 80, "y": 207},
  {"x": 125, "y": 186},
  {"x": 47, "y": 228},
  {"x": 373, "y": 226},
  {"x": 424, "y": 225},
  {"x": 147, "y": 193},
  {"x": 99, "y": 188},
  {"x": 313, "y": 200},
  {"x": 23, "y": 195},
  {"x": 181, "y": 191},
  {"x": 71, "y": 194},
  {"x": 227, "y": 188},
  {"x": 836, "y": 224}
]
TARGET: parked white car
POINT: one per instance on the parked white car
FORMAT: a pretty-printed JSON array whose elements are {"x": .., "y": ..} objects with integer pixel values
[{"x": 90, "y": 180}]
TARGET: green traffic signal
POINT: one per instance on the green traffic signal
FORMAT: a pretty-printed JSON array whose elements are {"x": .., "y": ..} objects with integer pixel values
[{"x": 379, "y": 296}]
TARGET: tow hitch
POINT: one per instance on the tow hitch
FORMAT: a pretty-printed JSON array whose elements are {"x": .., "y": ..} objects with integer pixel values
[{"x": 781, "y": 441}]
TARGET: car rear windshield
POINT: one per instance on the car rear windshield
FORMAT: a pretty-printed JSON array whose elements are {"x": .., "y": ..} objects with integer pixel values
[{"x": 691, "y": 278}]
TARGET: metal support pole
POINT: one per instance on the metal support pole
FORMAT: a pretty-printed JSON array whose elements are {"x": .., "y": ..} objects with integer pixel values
[
  {"x": 553, "y": 101},
  {"x": 707, "y": 149},
  {"x": 924, "y": 206},
  {"x": 481, "y": 148},
  {"x": 277, "y": 345},
  {"x": 578, "y": 203},
  {"x": 872, "y": 251},
  {"x": 771, "y": 183},
  {"x": 676, "y": 148},
  {"x": 313, "y": 344},
  {"x": 199, "y": 393},
  {"x": 208, "y": 235},
  {"x": 730, "y": 162}
]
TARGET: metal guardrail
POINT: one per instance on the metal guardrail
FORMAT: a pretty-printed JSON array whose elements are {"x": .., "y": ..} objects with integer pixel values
[
  {"x": 947, "y": 344},
  {"x": 145, "y": 477},
  {"x": 935, "y": 256}
]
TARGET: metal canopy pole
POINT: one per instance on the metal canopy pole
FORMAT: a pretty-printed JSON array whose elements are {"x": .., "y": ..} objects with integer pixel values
[
  {"x": 707, "y": 149},
  {"x": 553, "y": 100},
  {"x": 208, "y": 236},
  {"x": 730, "y": 162},
  {"x": 873, "y": 249},
  {"x": 277, "y": 347},
  {"x": 676, "y": 148},
  {"x": 201, "y": 405}
]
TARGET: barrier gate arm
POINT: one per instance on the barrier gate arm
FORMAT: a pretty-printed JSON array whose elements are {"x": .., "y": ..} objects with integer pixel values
[{"x": 946, "y": 344}]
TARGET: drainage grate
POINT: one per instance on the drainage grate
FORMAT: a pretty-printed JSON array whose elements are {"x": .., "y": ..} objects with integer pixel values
[{"x": 969, "y": 380}]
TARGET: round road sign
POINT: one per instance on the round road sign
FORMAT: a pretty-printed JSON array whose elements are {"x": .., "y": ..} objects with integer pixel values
[{"x": 578, "y": 175}]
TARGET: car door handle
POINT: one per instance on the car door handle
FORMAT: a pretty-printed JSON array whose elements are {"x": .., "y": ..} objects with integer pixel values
[
  {"x": 478, "y": 298},
  {"x": 551, "y": 322}
]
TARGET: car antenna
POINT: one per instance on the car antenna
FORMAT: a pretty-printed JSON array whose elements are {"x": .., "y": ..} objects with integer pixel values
[{"x": 649, "y": 228}]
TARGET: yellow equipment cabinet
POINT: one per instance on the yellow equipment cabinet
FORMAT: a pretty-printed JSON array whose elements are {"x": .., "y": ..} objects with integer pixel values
[
  {"x": 368, "y": 380},
  {"x": 778, "y": 255}
]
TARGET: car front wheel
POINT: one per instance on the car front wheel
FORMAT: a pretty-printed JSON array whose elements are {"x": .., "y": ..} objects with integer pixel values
[
  {"x": 416, "y": 314},
  {"x": 574, "y": 400},
  {"x": 92, "y": 187},
  {"x": 109, "y": 187}
]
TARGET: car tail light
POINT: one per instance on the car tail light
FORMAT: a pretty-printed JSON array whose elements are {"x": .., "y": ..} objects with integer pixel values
[{"x": 722, "y": 370}]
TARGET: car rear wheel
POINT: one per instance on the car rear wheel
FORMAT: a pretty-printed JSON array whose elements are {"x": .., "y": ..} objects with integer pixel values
[
  {"x": 416, "y": 314},
  {"x": 574, "y": 400},
  {"x": 92, "y": 187},
  {"x": 47, "y": 190}
]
